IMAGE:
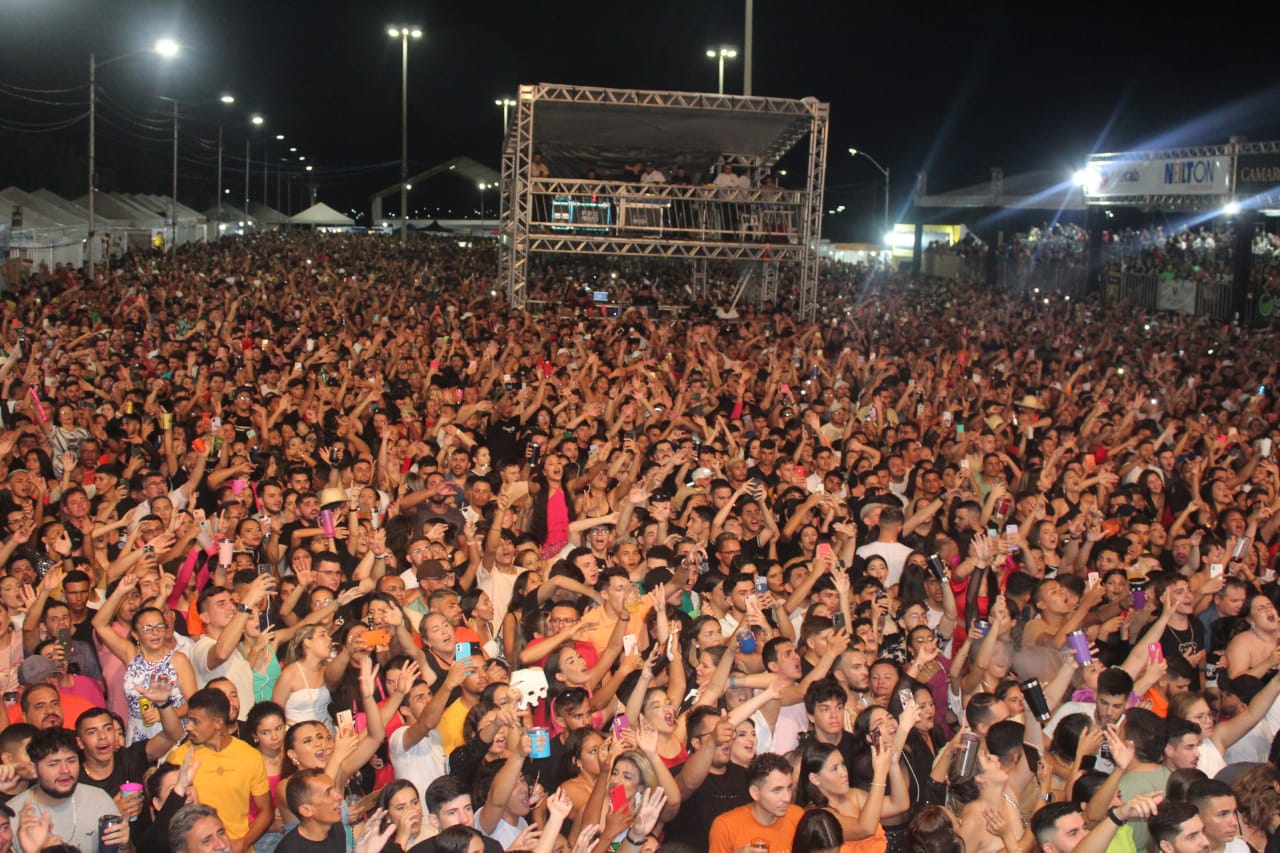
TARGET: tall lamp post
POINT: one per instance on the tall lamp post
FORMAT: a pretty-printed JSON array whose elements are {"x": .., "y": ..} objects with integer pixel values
[
  {"x": 721, "y": 54},
  {"x": 255, "y": 120},
  {"x": 404, "y": 33},
  {"x": 227, "y": 100},
  {"x": 482, "y": 186},
  {"x": 166, "y": 48},
  {"x": 173, "y": 197},
  {"x": 855, "y": 152},
  {"x": 506, "y": 104}
]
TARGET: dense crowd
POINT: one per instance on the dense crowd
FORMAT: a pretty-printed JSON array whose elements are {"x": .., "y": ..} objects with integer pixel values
[{"x": 311, "y": 542}]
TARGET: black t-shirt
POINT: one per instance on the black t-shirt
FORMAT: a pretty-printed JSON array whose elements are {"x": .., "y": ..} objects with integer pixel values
[
  {"x": 502, "y": 440},
  {"x": 715, "y": 796},
  {"x": 334, "y": 842},
  {"x": 130, "y": 766},
  {"x": 1183, "y": 643}
]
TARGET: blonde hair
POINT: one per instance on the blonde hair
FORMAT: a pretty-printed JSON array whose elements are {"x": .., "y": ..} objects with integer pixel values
[
  {"x": 294, "y": 652},
  {"x": 648, "y": 775}
]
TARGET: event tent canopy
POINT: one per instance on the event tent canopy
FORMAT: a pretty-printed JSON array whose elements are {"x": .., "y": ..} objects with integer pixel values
[{"x": 321, "y": 214}]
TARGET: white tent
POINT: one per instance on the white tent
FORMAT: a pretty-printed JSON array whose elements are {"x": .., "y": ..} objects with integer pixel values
[
  {"x": 43, "y": 237},
  {"x": 321, "y": 214},
  {"x": 140, "y": 223},
  {"x": 112, "y": 237},
  {"x": 192, "y": 225}
]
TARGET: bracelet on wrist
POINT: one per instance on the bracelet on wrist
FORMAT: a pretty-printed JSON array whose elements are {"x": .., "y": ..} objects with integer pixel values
[{"x": 633, "y": 841}]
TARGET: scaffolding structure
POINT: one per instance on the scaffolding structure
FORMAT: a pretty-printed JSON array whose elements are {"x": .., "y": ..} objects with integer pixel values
[{"x": 761, "y": 227}]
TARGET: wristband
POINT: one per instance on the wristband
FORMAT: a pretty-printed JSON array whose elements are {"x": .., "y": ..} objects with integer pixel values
[
  {"x": 1115, "y": 818},
  {"x": 160, "y": 706},
  {"x": 379, "y": 556},
  {"x": 633, "y": 841}
]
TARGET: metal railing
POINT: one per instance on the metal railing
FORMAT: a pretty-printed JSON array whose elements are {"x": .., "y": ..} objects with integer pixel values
[{"x": 665, "y": 211}]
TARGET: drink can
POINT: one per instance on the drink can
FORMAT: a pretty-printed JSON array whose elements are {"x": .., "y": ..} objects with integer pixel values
[{"x": 540, "y": 737}]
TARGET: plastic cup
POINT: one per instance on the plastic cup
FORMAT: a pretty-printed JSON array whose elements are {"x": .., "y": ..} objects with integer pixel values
[
  {"x": 237, "y": 486},
  {"x": 540, "y": 737},
  {"x": 131, "y": 789},
  {"x": 225, "y": 549},
  {"x": 166, "y": 421},
  {"x": 326, "y": 523}
]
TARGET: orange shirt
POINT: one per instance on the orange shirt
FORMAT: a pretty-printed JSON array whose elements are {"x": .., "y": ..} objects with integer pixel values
[
  {"x": 1159, "y": 704},
  {"x": 738, "y": 827},
  {"x": 600, "y": 634}
]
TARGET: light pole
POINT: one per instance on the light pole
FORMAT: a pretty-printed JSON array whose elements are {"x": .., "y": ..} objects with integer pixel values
[
  {"x": 749, "y": 37},
  {"x": 173, "y": 197},
  {"x": 482, "y": 187},
  {"x": 254, "y": 121},
  {"x": 227, "y": 100},
  {"x": 855, "y": 152},
  {"x": 165, "y": 47},
  {"x": 721, "y": 54},
  {"x": 506, "y": 104},
  {"x": 404, "y": 33}
]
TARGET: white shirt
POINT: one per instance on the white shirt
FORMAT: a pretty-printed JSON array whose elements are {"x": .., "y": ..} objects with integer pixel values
[
  {"x": 421, "y": 764},
  {"x": 236, "y": 668},
  {"x": 894, "y": 553},
  {"x": 499, "y": 585},
  {"x": 791, "y": 723}
]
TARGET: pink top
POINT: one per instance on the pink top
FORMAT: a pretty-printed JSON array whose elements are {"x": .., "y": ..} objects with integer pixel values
[{"x": 557, "y": 518}]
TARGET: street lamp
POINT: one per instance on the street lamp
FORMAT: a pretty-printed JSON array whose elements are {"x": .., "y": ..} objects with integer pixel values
[
  {"x": 173, "y": 198},
  {"x": 506, "y": 104},
  {"x": 404, "y": 33},
  {"x": 482, "y": 187},
  {"x": 255, "y": 120},
  {"x": 721, "y": 55},
  {"x": 166, "y": 48},
  {"x": 854, "y": 152},
  {"x": 228, "y": 100}
]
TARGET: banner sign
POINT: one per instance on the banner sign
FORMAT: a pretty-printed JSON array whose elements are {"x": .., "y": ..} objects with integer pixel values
[
  {"x": 1124, "y": 176},
  {"x": 1257, "y": 174}
]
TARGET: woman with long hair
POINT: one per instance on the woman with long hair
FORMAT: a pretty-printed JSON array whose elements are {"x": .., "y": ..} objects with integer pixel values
[
  {"x": 818, "y": 832},
  {"x": 586, "y": 753},
  {"x": 824, "y": 783},
  {"x": 477, "y": 609},
  {"x": 1219, "y": 735},
  {"x": 403, "y": 805},
  {"x": 149, "y": 659},
  {"x": 637, "y": 769},
  {"x": 924, "y": 740},
  {"x": 300, "y": 689},
  {"x": 310, "y": 745},
  {"x": 265, "y": 727}
]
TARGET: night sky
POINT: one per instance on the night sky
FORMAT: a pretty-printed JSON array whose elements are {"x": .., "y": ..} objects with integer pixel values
[{"x": 952, "y": 89}]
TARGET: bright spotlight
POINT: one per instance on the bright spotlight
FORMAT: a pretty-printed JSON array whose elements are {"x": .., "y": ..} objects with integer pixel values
[
  {"x": 1231, "y": 208},
  {"x": 888, "y": 238},
  {"x": 279, "y": 137},
  {"x": 310, "y": 168},
  {"x": 1088, "y": 179},
  {"x": 168, "y": 48},
  {"x": 416, "y": 33},
  {"x": 228, "y": 99},
  {"x": 257, "y": 120}
]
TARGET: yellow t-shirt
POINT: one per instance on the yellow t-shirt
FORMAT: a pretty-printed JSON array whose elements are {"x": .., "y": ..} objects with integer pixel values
[
  {"x": 227, "y": 781},
  {"x": 450, "y": 726}
]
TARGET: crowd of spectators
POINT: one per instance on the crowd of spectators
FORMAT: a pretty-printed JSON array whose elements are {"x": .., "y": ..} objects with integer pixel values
[{"x": 311, "y": 542}]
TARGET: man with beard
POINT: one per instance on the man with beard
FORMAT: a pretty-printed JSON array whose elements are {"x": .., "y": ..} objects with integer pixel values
[{"x": 71, "y": 809}]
